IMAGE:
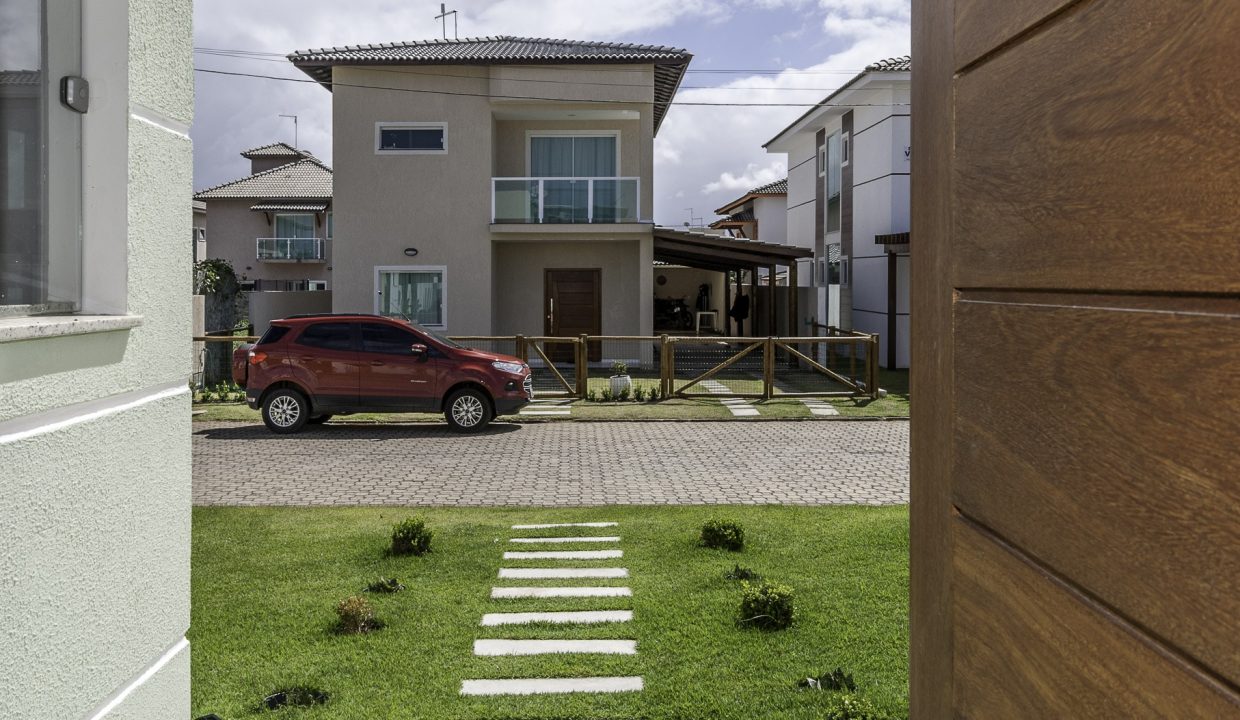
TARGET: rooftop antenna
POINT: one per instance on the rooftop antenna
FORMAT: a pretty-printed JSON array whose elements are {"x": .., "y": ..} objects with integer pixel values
[
  {"x": 295, "y": 145},
  {"x": 700, "y": 223},
  {"x": 444, "y": 12}
]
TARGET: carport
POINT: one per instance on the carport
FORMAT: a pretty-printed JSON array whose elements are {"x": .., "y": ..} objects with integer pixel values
[{"x": 726, "y": 255}]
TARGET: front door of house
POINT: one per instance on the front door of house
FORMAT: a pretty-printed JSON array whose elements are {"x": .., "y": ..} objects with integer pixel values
[{"x": 572, "y": 305}]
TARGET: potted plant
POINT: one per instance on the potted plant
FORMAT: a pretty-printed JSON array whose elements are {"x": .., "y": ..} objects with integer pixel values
[{"x": 620, "y": 380}]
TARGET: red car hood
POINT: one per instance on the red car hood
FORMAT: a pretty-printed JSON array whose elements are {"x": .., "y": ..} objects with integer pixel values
[{"x": 487, "y": 356}]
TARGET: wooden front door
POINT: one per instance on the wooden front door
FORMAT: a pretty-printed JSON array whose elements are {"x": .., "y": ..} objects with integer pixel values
[
  {"x": 1075, "y": 524},
  {"x": 572, "y": 306}
]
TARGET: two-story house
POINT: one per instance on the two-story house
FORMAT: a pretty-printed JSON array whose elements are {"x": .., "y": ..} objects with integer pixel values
[
  {"x": 760, "y": 214},
  {"x": 497, "y": 185},
  {"x": 848, "y": 200}
]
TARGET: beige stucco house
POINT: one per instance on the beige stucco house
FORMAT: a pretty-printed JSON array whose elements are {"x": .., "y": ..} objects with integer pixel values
[
  {"x": 497, "y": 185},
  {"x": 94, "y": 404}
]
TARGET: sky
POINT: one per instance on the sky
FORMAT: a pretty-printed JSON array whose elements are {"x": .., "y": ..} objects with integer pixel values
[{"x": 787, "y": 51}]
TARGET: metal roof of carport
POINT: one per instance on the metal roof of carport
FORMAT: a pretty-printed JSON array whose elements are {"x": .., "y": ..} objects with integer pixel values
[{"x": 716, "y": 252}]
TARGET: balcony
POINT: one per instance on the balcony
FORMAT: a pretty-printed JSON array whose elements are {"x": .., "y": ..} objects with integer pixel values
[
  {"x": 291, "y": 249},
  {"x": 565, "y": 200}
]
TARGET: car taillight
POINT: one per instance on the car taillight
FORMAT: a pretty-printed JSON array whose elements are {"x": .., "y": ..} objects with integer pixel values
[{"x": 257, "y": 357}]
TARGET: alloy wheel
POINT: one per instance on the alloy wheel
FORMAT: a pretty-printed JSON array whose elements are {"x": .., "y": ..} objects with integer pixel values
[
  {"x": 467, "y": 411},
  {"x": 284, "y": 411}
]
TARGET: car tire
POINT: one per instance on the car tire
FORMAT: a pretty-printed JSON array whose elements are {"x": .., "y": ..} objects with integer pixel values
[
  {"x": 319, "y": 419},
  {"x": 285, "y": 411},
  {"x": 468, "y": 410}
]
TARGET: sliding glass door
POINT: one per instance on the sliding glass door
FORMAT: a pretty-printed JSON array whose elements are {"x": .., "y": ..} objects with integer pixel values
[{"x": 571, "y": 156}]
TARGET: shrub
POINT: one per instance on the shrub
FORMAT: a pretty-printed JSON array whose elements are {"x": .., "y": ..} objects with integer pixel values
[
  {"x": 847, "y": 706},
  {"x": 591, "y": 396},
  {"x": 623, "y": 395},
  {"x": 836, "y": 681},
  {"x": 619, "y": 367},
  {"x": 296, "y": 697},
  {"x": 766, "y": 606},
  {"x": 411, "y": 537},
  {"x": 385, "y": 585},
  {"x": 723, "y": 534},
  {"x": 654, "y": 394},
  {"x": 606, "y": 395},
  {"x": 356, "y": 616},
  {"x": 742, "y": 573},
  {"x": 639, "y": 393}
]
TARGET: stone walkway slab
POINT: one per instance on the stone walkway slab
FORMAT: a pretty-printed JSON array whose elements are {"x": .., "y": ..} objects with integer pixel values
[
  {"x": 552, "y": 647},
  {"x": 561, "y": 573},
  {"x": 564, "y": 525},
  {"x": 498, "y": 593},
  {"x": 570, "y": 617},
  {"x": 564, "y": 555},
  {"x": 541, "y": 686},
  {"x": 589, "y": 539}
]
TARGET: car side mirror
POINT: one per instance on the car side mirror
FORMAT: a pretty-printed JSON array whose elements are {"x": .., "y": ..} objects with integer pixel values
[{"x": 418, "y": 350}]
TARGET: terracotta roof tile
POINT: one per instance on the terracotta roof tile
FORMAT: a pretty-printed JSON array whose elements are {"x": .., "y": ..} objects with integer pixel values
[{"x": 304, "y": 179}]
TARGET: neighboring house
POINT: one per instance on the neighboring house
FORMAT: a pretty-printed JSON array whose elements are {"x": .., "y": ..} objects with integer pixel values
[
  {"x": 497, "y": 185},
  {"x": 275, "y": 225},
  {"x": 848, "y": 200},
  {"x": 94, "y": 319},
  {"x": 199, "y": 231},
  {"x": 760, "y": 214}
]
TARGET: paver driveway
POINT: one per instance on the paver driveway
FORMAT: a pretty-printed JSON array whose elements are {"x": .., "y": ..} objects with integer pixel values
[{"x": 800, "y": 463}]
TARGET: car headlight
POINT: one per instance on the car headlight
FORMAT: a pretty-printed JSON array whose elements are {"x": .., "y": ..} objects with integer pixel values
[{"x": 508, "y": 367}]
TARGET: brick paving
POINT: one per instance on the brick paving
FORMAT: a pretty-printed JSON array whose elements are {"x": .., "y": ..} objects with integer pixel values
[{"x": 555, "y": 464}]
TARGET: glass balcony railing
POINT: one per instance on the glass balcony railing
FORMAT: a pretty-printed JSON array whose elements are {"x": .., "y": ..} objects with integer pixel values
[
  {"x": 566, "y": 200},
  {"x": 291, "y": 249}
]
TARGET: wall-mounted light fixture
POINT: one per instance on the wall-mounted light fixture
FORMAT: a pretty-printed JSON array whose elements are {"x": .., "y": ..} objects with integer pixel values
[{"x": 411, "y": 251}]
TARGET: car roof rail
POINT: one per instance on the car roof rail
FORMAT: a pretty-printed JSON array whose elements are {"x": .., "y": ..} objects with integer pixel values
[{"x": 305, "y": 316}]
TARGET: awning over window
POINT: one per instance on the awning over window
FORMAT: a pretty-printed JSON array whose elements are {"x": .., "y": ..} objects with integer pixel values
[
  {"x": 289, "y": 207},
  {"x": 892, "y": 239}
]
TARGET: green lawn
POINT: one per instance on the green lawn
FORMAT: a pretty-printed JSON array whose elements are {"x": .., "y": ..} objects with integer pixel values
[{"x": 265, "y": 582}]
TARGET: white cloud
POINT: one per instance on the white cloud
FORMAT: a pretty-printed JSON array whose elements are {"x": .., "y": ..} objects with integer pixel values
[{"x": 751, "y": 178}]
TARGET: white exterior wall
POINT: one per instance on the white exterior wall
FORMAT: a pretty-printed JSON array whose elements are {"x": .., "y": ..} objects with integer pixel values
[{"x": 94, "y": 424}]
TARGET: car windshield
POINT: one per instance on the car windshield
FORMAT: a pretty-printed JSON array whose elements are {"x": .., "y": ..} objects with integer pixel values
[{"x": 438, "y": 336}]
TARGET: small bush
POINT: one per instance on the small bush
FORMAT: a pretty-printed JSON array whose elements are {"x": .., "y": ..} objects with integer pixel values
[
  {"x": 766, "y": 606},
  {"x": 619, "y": 367},
  {"x": 591, "y": 396},
  {"x": 385, "y": 585},
  {"x": 606, "y": 395},
  {"x": 623, "y": 395},
  {"x": 295, "y": 697},
  {"x": 723, "y": 534},
  {"x": 836, "y": 681},
  {"x": 654, "y": 394},
  {"x": 847, "y": 706},
  {"x": 411, "y": 537},
  {"x": 639, "y": 393},
  {"x": 356, "y": 616},
  {"x": 742, "y": 573}
]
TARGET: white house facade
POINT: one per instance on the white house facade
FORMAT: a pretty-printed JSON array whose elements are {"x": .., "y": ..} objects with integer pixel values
[
  {"x": 848, "y": 200},
  {"x": 96, "y": 169}
]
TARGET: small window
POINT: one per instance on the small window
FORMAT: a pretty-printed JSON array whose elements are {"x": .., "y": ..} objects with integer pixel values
[
  {"x": 330, "y": 225},
  {"x": 845, "y": 280},
  {"x": 411, "y": 138},
  {"x": 273, "y": 335},
  {"x": 413, "y": 293},
  {"x": 845, "y": 150},
  {"x": 821, "y": 160},
  {"x": 328, "y": 336},
  {"x": 388, "y": 340},
  {"x": 316, "y": 284}
]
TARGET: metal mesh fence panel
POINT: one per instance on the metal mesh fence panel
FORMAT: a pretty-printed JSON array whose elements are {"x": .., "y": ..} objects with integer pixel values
[{"x": 735, "y": 366}]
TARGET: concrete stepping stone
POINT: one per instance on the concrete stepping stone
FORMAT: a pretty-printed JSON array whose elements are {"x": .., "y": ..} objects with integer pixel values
[
  {"x": 564, "y": 555},
  {"x": 590, "y": 539},
  {"x": 571, "y": 616},
  {"x": 545, "y": 686},
  {"x": 545, "y": 526},
  {"x": 499, "y": 593},
  {"x": 550, "y": 647},
  {"x": 561, "y": 573}
]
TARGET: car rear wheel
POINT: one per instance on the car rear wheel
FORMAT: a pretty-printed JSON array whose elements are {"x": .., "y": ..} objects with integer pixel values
[
  {"x": 468, "y": 410},
  {"x": 285, "y": 411}
]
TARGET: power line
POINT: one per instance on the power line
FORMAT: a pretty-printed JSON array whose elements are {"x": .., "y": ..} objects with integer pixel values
[{"x": 534, "y": 97}]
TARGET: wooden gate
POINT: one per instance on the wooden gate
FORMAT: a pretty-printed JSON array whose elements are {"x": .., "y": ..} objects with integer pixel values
[
  {"x": 716, "y": 367},
  {"x": 556, "y": 364}
]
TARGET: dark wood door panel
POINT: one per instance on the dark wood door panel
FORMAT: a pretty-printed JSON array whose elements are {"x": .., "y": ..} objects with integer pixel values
[
  {"x": 1103, "y": 440},
  {"x": 1027, "y": 646},
  {"x": 1100, "y": 152},
  {"x": 982, "y": 27}
]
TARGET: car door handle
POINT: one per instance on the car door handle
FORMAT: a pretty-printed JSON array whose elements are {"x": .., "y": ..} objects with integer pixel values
[{"x": 377, "y": 363}]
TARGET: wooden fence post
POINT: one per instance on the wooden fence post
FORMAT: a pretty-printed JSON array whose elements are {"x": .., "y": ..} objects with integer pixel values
[
  {"x": 768, "y": 368},
  {"x": 871, "y": 380},
  {"x": 520, "y": 349},
  {"x": 583, "y": 368},
  {"x": 669, "y": 367}
]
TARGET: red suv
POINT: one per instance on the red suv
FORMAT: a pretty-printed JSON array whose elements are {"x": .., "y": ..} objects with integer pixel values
[{"x": 307, "y": 368}]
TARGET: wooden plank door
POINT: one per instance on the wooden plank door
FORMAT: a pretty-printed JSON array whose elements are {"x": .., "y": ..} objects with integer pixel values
[
  {"x": 572, "y": 306},
  {"x": 1076, "y": 273}
]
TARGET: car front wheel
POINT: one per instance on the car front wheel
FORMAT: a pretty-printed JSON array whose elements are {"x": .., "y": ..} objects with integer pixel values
[
  {"x": 285, "y": 411},
  {"x": 468, "y": 410}
]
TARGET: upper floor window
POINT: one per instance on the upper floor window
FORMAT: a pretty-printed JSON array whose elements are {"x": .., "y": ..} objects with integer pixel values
[
  {"x": 574, "y": 156},
  {"x": 295, "y": 225},
  {"x": 834, "y": 174},
  {"x": 330, "y": 225},
  {"x": 411, "y": 138},
  {"x": 40, "y": 158}
]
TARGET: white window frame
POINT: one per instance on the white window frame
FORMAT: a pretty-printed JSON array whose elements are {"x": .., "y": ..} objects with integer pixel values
[
  {"x": 845, "y": 272},
  {"x": 328, "y": 225},
  {"x": 531, "y": 134},
  {"x": 443, "y": 280},
  {"x": 822, "y": 160},
  {"x": 845, "y": 149},
  {"x": 403, "y": 125},
  {"x": 317, "y": 285}
]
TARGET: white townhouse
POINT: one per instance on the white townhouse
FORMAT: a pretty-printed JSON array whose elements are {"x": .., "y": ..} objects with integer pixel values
[{"x": 848, "y": 201}]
